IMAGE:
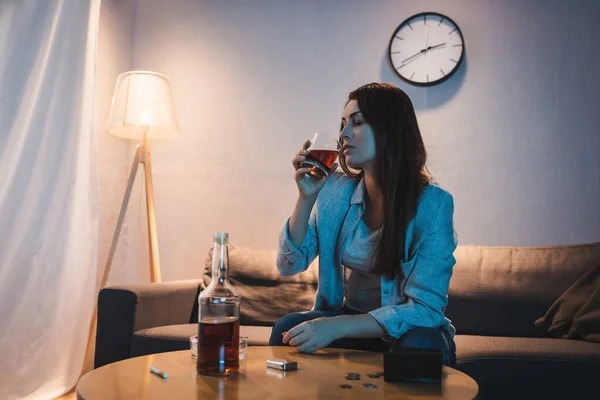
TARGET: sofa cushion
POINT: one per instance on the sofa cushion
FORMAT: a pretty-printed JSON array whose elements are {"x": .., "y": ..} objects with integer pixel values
[
  {"x": 527, "y": 368},
  {"x": 177, "y": 337},
  {"x": 266, "y": 295},
  {"x": 469, "y": 347},
  {"x": 576, "y": 313},
  {"x": 501, "y": 291}
]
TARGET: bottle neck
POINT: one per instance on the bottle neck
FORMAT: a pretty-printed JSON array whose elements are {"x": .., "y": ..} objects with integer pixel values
[{"x": 220, "y": 263}]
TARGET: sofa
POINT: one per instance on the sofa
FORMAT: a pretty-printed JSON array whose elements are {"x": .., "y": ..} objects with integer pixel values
[{"x": 495, "y": 296}]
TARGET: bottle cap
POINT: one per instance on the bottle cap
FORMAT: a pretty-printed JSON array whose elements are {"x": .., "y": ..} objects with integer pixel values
[{"x": 221, "y": 237}]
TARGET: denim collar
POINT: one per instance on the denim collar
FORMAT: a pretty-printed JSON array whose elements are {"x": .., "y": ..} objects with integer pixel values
[{"x": 358, "y": 196}]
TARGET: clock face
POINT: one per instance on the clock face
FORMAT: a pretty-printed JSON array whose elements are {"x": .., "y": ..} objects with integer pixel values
[{"x": 426, "y": 49}]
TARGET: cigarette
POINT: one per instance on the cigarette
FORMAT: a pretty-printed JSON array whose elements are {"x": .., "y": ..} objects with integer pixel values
[{"x": 158, "y": 372}]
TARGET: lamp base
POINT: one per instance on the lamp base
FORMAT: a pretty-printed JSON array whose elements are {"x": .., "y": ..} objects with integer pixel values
[{"x": 142, "y": 156}]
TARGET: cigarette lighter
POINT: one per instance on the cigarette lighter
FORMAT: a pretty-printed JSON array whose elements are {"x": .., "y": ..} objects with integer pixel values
[{"x": 284, "y": 365}]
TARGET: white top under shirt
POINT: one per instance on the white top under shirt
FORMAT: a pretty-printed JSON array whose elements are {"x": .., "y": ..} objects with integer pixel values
[{"x": 363, "y": 287}]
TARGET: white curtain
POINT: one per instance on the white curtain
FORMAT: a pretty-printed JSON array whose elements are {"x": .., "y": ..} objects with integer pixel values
[{"x": 48, "y": 193}]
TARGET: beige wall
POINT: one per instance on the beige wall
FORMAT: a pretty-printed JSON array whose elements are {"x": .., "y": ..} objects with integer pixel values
[{"x": 513, "y": 135}]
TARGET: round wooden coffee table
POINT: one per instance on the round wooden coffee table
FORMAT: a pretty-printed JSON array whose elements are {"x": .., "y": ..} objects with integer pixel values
[{"x": 318, "y": 376}]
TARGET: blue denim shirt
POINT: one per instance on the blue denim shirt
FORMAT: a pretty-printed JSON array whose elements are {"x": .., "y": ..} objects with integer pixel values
[{"x": 418, "y": 300}]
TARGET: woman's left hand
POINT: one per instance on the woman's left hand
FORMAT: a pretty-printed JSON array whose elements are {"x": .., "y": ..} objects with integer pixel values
[{"x": 312, "y": 335}]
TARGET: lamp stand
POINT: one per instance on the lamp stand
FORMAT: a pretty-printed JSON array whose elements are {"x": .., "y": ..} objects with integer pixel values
[{"x": 142, "y": 156}]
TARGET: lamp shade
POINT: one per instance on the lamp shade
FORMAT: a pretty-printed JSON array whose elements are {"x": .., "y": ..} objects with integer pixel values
[{"x": 142, "y": 104}]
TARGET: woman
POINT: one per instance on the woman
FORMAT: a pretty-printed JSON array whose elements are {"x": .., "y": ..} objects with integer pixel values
[{"x": 384, "y": 236}]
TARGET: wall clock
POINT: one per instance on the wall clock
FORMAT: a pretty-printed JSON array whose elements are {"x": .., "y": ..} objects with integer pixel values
[{"x": 426, "y": 49}]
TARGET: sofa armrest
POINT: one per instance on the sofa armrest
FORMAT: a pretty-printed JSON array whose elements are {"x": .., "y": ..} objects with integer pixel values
[{"x": 124, "y": 310}]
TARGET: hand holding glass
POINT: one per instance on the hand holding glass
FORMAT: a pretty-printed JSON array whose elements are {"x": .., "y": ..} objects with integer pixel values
[{"x": 323, "y": 152}]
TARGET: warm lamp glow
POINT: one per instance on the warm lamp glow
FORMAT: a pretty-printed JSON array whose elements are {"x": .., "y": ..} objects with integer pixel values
[{"x": 142, "y": 104}]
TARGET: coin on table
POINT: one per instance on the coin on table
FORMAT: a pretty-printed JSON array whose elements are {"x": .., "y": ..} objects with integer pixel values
[
  {"x": 369, "y": 386},
  {"x": 353, "y": 376}
]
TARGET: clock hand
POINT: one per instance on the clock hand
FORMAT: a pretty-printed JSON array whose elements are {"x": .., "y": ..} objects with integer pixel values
[
  {"x": 420, "y": 53},
  {"x": 415, "y": 55},
  {"x": 412, "y": 58},
  {"x": 427, "y": 40},
  {"x": 423, "y": 51},
  {"x": 436, "y": 46}
]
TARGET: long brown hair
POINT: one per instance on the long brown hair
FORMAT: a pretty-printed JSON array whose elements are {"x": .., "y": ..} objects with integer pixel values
[{"x": 399, "y": 167}]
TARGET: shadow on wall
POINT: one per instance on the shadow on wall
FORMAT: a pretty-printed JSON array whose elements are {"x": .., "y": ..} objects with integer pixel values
[{"x": 426, "y": 97}]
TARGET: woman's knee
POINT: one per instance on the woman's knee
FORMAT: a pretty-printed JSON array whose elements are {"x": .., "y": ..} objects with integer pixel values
[
  {"x": 287, "y": 322},
  {"x": 284, "y": 324}
]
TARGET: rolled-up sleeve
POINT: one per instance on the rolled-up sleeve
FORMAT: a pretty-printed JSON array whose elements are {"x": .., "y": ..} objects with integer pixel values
[
  {"x": 292, "y": 260},
  {"x": 426, "y": 287}
]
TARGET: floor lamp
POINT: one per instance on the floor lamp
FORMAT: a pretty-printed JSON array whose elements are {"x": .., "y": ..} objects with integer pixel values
[{"x": 142, "y": 109}]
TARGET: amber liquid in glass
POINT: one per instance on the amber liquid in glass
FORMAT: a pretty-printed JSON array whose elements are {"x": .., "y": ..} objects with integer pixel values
[
  {"x": 321, "y": 162},
  {"x": 218, "y": 346}
]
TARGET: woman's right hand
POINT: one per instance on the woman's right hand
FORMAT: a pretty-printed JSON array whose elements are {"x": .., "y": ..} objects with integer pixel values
[{"x": 308, "y": 187}]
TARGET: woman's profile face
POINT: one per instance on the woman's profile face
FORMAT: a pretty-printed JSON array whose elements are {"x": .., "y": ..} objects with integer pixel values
[{"x": 358, "y": 138}]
